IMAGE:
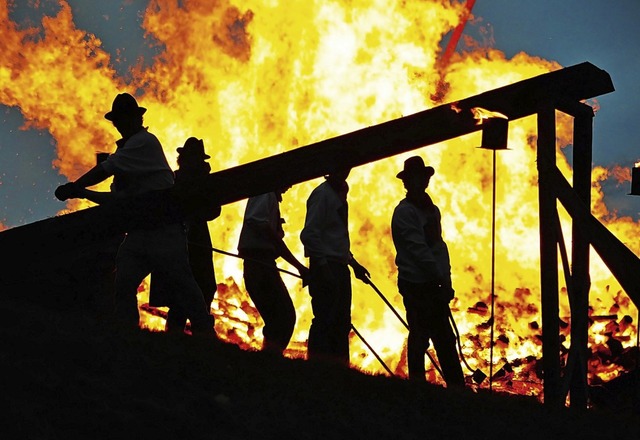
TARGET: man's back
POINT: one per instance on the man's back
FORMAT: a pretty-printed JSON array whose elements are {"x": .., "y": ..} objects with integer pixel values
[
  {"x": 325, "y": 233},
  {"x": 411, "y": 228},
  {"x": 261, "y": 222},
  {"x": 139, "y": 165}
]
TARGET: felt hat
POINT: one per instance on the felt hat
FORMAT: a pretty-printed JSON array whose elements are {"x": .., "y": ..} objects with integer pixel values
[
  {"x": 193, "y": 147},
  {"x": 415, "y": 165},
  {"x": 124, "y": 105}
]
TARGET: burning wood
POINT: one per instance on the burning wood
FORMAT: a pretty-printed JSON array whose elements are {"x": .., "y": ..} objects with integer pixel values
[
  {"x": 597, "y": 318},
  {"x": 479, "y": 308}
]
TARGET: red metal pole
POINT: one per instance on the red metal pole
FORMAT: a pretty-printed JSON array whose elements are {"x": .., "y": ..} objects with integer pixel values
[{"x": 455, "y": 37}]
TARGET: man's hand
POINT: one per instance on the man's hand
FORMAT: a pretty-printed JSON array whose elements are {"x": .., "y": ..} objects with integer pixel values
[
  {"x": 446, "y": 292},
  {"x": 304, "y": 274},
  {"x": 67, "y": 191},
  {"x": 360, "y": 271}
]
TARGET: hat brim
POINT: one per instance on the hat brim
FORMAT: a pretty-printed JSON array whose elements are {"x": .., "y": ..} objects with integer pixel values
[
  {"x": 428, "y": 171},
  {"x": 112, "y": 116},
  {"x": 204, "y": 156}
]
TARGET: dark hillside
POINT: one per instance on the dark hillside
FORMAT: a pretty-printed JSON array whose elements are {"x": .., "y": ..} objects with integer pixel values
[{"x": 65, "y": 376}]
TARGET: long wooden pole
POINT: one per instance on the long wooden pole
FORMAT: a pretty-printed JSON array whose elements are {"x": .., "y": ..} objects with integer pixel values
[
  {"x": 404, "y": 134},
  {"x": 50, "y": 238},
  {"x": 548, "y": 259},
  {"x": 580, "y": 282}
]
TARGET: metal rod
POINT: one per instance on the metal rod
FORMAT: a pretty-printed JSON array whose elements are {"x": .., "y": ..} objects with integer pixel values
[
  {"x": 493, "y": 270},
  {"x": 395, "y": 312},
  {"x": 457, "y": 333},
  {"x": 220, "y": 251},
  {"x": 372, "y": 350},
  {"x": 437, "y": 367},
  {"x": 386, "y": 301},
  {"x": 230, "y": 254}
]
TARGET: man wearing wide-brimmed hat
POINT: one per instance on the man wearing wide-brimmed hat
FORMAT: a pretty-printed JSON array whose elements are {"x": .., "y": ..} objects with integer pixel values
[
  {"x": 424, "y": 275},
  {"x": 192, "y": 167},
  {"x": 139, "y": 166}
]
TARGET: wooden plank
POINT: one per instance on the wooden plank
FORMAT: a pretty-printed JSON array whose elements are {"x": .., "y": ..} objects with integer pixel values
[
  {"x": 580, "y": 280},
  {"x": 448, "y": 121},
  {"x": 548, "y": 258},
  {"x": 44, "y": 239}
]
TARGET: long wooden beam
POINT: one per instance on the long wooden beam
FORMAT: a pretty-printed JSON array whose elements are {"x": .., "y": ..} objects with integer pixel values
[
  {"x": 52, "y": 237},
  {"x": 447, "y": 121}
]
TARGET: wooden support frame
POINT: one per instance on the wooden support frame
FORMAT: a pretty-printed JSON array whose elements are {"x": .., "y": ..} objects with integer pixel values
[
  {"x": 574, "y": 381},
  {"x": 54, "y": 240}
]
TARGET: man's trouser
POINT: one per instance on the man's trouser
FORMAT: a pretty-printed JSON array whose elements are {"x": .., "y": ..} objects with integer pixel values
[
  {"x": 271, "y": 297},
  {"x": 331, "y": 304},
  {"x": 428, "y": 318},
  {"x": 162, "y": 251}
]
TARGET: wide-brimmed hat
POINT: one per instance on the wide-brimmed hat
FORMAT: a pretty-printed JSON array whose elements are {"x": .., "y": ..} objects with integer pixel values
[
  {"x": 415, "y": 165},
  {"x": 124, "y": 105},
  {"x": 193, "y": 147}
]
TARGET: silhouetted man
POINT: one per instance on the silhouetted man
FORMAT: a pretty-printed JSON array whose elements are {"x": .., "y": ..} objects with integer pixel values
[
  {"x": 261, "y": 243},
  {"x": 424, "y": 275},
  {"x": 192, "y": 165},
  {"x": 326, "y": 243},
  {"x": 139, "y": 166}
]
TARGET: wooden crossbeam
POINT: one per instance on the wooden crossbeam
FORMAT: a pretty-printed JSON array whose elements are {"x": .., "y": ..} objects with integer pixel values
[{"x": 47, "y": 238}]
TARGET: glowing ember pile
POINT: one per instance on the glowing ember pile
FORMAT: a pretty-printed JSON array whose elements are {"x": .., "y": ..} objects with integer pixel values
[{"x": 265, "y": 77}]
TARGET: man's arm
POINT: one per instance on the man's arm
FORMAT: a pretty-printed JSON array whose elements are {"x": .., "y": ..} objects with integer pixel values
[
  {"x": 77, "y": 189},
  {"x": 407, "y": 226},
  {"x": 359, "y": 270},
  {"x": 73, "y": 191},
  {"x": 92, "y": 177},
  {"x": 311, "y": 235},
  {"x": 288, "y": 256}
]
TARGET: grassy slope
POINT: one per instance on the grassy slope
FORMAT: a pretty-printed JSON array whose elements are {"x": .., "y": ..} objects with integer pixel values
[{"x": 65, "y": 376}]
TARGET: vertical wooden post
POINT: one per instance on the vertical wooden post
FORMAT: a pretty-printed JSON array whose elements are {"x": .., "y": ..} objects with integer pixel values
[
  {"x": 580, "y": 282},
  {"x": 548, "y": 258}
]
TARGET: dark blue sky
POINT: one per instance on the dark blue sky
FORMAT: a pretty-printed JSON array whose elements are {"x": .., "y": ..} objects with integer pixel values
[{"x": 603, "y": 32}]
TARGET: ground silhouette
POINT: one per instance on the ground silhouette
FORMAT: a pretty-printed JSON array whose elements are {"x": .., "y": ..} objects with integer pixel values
[{"x": 65, "y": 376}]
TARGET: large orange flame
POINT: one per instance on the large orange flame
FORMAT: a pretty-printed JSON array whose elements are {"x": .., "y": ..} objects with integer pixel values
[{"x": 265, "y": 77}]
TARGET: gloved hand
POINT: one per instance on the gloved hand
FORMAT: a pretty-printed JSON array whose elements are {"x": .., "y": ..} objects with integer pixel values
[
  {"x": 304, "y": 274},
  {"x": 446, "y": 293},
  {"x": 359, "y": 271},
  {"x": 67, "y": 191}
]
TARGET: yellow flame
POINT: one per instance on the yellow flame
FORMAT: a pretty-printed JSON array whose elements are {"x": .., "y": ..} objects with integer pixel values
[
  {"x": 481, "y": 114},
  {"x": 269, "y": 76}
]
